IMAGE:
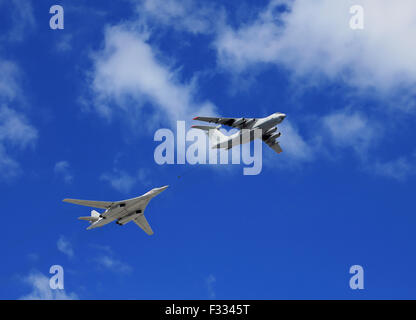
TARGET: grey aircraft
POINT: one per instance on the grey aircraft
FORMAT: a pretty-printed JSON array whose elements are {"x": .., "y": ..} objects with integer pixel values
[
  {"x": 267, "y": 125},
  {"x": 120, "y": 211}
]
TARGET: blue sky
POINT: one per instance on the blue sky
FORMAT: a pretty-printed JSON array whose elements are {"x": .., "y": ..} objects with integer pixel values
[{"x": 79, "y": 108}]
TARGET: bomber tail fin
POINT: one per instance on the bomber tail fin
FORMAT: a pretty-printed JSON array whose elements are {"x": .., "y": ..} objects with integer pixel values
[{"x": 95, "y": 216}]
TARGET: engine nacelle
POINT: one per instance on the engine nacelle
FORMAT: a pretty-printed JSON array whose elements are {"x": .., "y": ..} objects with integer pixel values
[
  {"x": 249, "y": 122},
  {"x": 269, "y": 132},
  {"x": 239, "y": 122},
  {"x": 128, "y": 218},
  {"x": 274, "y": 136}
]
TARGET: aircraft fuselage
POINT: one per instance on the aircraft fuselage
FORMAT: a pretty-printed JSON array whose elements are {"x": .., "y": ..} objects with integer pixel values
[
  {"x": 129, "y": 210},
  {"x": 264, "y": 124}
]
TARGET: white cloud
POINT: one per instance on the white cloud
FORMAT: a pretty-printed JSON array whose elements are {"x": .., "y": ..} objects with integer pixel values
[
  {"x": 399, "y": 169},
  {"x": 314, "y": 37},
  {"x": 123, "y": 181},
  {"x": 9, "y": 168},
  {"x": 65, "y": 43},
  {"x": 209, "y": 282},
  {"x": 185, "y": 15},
  {"x": 119, "y": 180},
  {"x": 112, "y": 264},
  {"x": 65, "y": 247},
  {"x": 22, "y": 19},
  {"x": 41, "y": 289},
  {"x": 15, "y": 131},
  {"x": 295, "y": 146},
  {"x": 9, "y": 81},
  {"x": 106, "y": 260},
  {"x": 62, "y": 168},
  {"x": 347, "y": 128},
  {"x": 299, "y": 148},
  {"x": 128, "y": 74}
]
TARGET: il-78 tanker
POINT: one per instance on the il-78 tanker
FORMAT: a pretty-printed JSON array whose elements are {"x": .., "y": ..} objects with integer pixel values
[
  {"x": 120, "y": 211},
  {"x": 267, "y": 125}
]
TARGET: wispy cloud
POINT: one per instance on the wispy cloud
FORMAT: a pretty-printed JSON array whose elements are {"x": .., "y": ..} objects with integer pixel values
[
  {"x": 9, "y": 81},
  {"x": 400, "y": 168},
  {"x": 65, "y": 246},
  {"x": 62, "y": 169},
  {"x": 284, "y": 34},
  {"x": 123, "y": 181},
  {"x": 15, "y": 132},
  {"x": 128, "y": 74},
  {"x": 15, "y": 128},
  {"x": 210, "y": 282},
  {"x": 296, "y": 146},
  {"x": 106, "y": 260},
  {"x": 22, "y": 19},
  {"x": 65, "y": 43},
  {"x": 186, "y": 15},
  {"x": 110, "y": 263},
  {"x": 347, "y": 128},
  {"x": 9, "y": 168},
  {"x": 41, "y": 289}
]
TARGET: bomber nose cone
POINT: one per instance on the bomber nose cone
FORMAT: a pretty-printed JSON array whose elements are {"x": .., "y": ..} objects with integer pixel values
[{"x": 159, "y": 190}]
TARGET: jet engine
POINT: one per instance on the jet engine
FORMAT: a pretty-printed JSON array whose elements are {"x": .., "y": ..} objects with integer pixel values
[
  {"x": 239, "y": 122},
  {"x": 128, "y": 218},
  {"x": 274, "y": 136}
]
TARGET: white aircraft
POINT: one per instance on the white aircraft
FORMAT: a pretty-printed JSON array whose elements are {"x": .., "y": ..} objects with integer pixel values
[
  {"x": 122, "y": 211},
  {"x": 267, "y": 126}
]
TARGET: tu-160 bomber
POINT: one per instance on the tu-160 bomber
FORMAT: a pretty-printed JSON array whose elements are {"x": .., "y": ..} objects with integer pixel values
[
  {"x": 120, "y": 211},
  {"x": 267, "y": 125}
]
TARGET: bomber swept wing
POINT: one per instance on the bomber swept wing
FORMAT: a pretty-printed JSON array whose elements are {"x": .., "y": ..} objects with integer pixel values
[
  {"x": 99, "y": 204},
  {"x": 91, "y": 203},
  {"x": 141, "y": 221},
  {"x": 238, "y": 123}
]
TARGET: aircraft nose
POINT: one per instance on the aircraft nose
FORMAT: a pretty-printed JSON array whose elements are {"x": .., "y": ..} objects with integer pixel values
[{"x": 159, "y": 190}]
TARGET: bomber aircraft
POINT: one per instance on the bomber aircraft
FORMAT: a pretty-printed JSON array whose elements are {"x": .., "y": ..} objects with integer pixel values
[
  {"x": 120, "y": 211},
  {"x": 267, "y": 125}
]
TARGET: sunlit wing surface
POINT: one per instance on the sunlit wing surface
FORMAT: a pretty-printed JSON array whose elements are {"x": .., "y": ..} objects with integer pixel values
[
  {"x": 142, "y": 223},
  {"x": 91, "y": 203},
  {"x": 231, "y": 122}
]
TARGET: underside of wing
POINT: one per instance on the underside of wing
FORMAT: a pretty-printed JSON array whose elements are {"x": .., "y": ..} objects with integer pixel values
[
  {"x": 224, "y": 121},
  {"x": 90, "y": 203},
  {"x": 274, "y": 145},
  {"x": 142, "y": 223},
  {"x": 231, "y": 122}
]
